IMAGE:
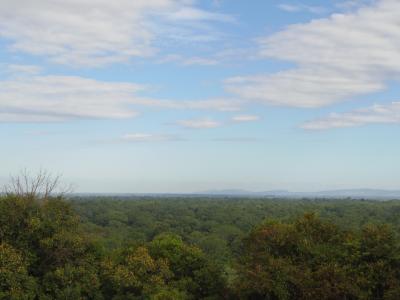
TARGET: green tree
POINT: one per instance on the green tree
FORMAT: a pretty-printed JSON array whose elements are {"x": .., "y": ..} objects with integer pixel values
[
  {"x": 15, "y": 282},
  {"x": 48, "y": 241},
  {"x": 306, "y": 259},
  {"x": 191, "y": 269},
  {"x": 72, "y": 282},
  {"x": 134, "y": 274}
]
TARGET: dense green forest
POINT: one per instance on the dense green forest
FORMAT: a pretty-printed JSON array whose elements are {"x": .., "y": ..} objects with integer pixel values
[
  {"x": 198, "y": 248},
  {"x": 217, "y": 225}
]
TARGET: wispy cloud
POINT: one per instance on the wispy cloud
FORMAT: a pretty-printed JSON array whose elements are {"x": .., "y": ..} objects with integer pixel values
[
  {"x": 189, "y": 61},
  {"x": 30, "y": 97},
  {"x": 199, "y": 123},
  {"x": 21, "y": 70},
  {"x": 301, "y": 7},
  {"x": 337, "y": 58},
  {"x": 62, "y": 98},
  {"x": 237, "y": 139},
  {"x": 376, "y": 114},
  {"x": 188, "y": 13},
  {"x": 150, "y": 138},
  {"x": 245, "y": 118},
  {"x": 354, "y": 4},
  {"x": 217, "y": 104},
  {"x": 206, "y": 123},
  {"x": 93, "y": 33},
  {"x": 226, "y": 56}
]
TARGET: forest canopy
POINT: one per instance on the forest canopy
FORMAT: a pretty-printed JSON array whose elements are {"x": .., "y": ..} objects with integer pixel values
[{"x": 197, "y": 248}]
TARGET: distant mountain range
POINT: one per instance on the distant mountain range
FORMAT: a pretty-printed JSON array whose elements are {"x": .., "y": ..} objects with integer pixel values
[
  {"x": 371, "y": 194},
  {"x": 346, "y": 193}
]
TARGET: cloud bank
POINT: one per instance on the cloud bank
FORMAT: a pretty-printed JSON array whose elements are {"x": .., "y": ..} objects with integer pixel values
[
  {"x": 376, "y": 114},
  {"x": 62, "y": 98},
  {"x": 30, "y": 97},
  {"x": 98, "y": 32},
  {"x": 335, "y": 59}
]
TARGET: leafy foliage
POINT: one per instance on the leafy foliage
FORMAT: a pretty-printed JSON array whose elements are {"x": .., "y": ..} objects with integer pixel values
[
  {"x": 198, "y": 248},
  {"x": 15, "y": 282},
  {"x": 311, "y": 259}
]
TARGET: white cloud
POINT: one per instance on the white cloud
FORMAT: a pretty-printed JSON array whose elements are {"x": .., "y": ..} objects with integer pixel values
[
  {"x": 29, "y": 97},
  {"x": 245, "y": 118},
  {"x": 237, "y": 139},
  {"x": 97, "y": 32},
  {"x": 301, "y": 7},
  {"x": 189, "y": 61},
  {"x": 354, "y": 4},
  {"x": 376, "y": 114},
  {"x": 202, "y": 61},
  {"x": 21, "y": 70},
  {"x": 148, "y": 137},
  {"x": 223, "y": 105},
  {"x": 194, "y": 14},
  {"x": 61, "y": 98},
  {"x": 205, "y": 123},
  {"x": 303, "y": 87},
  {"x": 227, "y": 56},
  {"x": 199, "y": 123},
  {"x": 336, "y": 59}
]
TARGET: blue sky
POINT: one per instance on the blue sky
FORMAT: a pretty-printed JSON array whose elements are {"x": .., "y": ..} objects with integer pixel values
[{"x": 186, "y": 96}]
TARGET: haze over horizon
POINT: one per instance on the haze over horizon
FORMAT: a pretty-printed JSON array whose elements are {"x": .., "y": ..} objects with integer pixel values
[{"x": 182, "y": 96}]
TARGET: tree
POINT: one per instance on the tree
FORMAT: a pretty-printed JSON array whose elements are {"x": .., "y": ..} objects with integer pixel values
[
  {"x": 43, "y": 185},
  {"x": 15, "y": 282},
  {"x": 192, "y": 271},
  {"x": 306, "y": 259},
  {"x": 313, "y": 259},
  {"x": 134, "y": 273},
  {"x": 45, "y": 241},
  {"x": 72, "y": 282}
]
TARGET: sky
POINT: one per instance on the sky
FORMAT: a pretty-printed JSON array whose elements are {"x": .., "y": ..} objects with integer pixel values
[{"x": 180, "y": 96}]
